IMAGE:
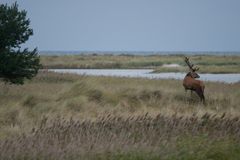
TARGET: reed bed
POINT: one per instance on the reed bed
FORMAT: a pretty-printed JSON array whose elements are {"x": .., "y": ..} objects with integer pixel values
[{"x": 114, "y": 137}]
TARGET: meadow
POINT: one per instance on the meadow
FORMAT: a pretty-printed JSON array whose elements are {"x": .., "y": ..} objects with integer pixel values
[
  {"x": 65, "y": 116},
  {"x": 207, "y": 63}
]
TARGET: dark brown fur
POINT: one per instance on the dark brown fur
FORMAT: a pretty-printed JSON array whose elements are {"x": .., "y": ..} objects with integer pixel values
[{"x": 190, "y": 83}]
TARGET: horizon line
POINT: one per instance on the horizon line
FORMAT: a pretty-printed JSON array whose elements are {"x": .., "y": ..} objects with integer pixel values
[{"x": 137, "y": 51}]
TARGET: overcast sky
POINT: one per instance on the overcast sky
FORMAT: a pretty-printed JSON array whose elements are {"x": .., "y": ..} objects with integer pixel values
[{"x": 134, "y": 25}]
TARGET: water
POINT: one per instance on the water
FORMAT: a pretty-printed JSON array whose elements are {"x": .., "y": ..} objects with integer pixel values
[
  {"x": 143, "y": 53},
  {"x": 146, "y": 73}
]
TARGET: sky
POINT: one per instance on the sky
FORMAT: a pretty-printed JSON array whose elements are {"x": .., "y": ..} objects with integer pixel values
[{"x": 133, "y": 25}]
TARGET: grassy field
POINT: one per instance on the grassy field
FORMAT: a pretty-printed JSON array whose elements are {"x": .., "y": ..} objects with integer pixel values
[
  {"x": 207, "y": 63},
  {"x": 63, "y": 116}
]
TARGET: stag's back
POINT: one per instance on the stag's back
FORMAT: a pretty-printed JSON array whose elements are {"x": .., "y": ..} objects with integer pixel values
[{"x": 193, "y": 84}]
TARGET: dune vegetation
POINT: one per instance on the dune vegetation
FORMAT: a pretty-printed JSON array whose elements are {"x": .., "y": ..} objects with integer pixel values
[
  {"x": 207, "y": 63},
  {"x": 65, "y": 116}
]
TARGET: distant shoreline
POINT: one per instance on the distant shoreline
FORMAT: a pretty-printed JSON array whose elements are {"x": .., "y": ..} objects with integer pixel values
[
  {"x": 143, "y": 53},
  {"x": 159, "y": 63}
]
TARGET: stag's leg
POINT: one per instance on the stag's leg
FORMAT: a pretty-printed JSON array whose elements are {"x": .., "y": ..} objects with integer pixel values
[
  {"x": 201, "y": 95},
  {"x": 204, "y": 100}
]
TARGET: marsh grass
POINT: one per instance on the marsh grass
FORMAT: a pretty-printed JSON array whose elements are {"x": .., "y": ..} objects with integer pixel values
[
  {"x": 174, "y": 126},
  {"x": 53, "y": 93},
  {"x": 207, "y": 63}
]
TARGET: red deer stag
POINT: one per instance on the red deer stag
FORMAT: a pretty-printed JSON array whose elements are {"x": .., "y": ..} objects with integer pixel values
[{"x": 190, "y": 83}]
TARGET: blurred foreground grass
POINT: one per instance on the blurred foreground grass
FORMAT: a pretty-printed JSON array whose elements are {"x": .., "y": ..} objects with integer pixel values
[{"x": 64, "y": 116}]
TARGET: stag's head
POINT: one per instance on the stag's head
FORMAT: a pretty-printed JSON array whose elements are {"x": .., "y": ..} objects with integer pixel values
[
  {"x": 192, "y": 69},
  {"x": 193, "y": 75}
]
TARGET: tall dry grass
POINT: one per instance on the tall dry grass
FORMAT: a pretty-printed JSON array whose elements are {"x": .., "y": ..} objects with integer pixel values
[
  {"x": 175, "y": 125},
  {"x": 113, "y": 137},
  {"x": 88, "y": 97}
]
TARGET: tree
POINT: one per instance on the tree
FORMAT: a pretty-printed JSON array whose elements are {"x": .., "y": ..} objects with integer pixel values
[{"x": 16, "y": 64}]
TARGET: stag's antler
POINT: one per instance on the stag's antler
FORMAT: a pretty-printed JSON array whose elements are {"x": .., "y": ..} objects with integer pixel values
[{"x": 191, "y": 65}]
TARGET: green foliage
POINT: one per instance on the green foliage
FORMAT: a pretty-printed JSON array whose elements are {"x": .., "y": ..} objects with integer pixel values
[{"x": 16, "y": 65}]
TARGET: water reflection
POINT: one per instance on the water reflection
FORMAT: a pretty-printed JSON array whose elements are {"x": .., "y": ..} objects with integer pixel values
[{"x": 146, "y": 73}]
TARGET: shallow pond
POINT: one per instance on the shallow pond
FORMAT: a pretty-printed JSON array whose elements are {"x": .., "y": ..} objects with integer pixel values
[{"x": 146, "y": 73}]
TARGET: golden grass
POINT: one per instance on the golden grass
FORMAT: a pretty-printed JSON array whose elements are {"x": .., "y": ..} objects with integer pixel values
[
  {"x": 65, "y": 116},
  {"x": 53, "y": 94}
]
